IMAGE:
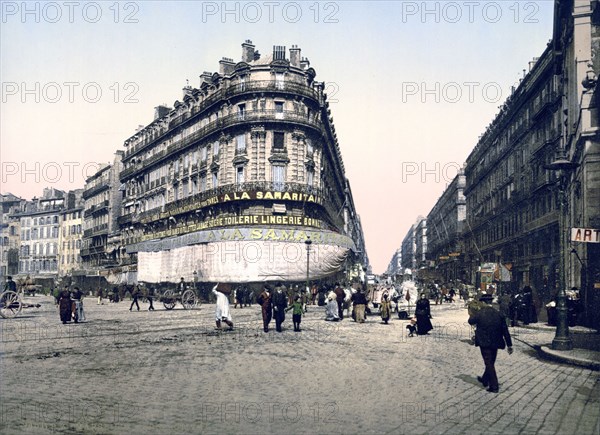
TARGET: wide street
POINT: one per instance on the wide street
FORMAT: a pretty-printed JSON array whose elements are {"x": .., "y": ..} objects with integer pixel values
[{"x": 170, "y": 372}]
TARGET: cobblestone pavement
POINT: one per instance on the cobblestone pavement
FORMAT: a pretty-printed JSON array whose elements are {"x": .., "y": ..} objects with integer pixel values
[{"x": 170, "y": 372}]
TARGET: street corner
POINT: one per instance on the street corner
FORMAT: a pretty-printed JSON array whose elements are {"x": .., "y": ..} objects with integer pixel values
[{"x": 577, "y": 357}]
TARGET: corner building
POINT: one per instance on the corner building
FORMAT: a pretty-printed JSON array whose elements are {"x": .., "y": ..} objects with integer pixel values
[{"x": 230, "y": 183}]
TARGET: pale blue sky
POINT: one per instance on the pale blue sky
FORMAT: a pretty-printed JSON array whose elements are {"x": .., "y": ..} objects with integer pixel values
[{"x": 371, "y": 54}]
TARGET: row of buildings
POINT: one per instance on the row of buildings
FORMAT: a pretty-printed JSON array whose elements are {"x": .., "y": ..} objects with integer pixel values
[
  {"x": 240, "y": 181},
  {"x": 532, "y": 179}
]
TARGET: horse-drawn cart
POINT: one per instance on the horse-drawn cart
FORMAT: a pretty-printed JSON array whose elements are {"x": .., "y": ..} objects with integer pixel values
[
  {"x": 11, "y": 303},
  {"x": 188, "y": 299}
]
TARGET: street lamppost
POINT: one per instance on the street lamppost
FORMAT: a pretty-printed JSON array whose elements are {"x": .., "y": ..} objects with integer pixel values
[
  {"x": 308, "y": 243},
  {"x": 562, "y": 339}
]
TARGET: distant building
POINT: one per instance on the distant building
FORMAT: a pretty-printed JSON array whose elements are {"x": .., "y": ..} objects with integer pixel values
[
  {"x": 71, "y": 234},
  {"x": 102, "y": 207},
  {"x": 395, "y": 266},
  {"x": 39, "y": 225},
  {"x": 445, "y": 250},
  {"x": 409, "y": 247},
  {"x": 9, "y": 235},
  {"x": 420, "y": 235},
  {"x": 230, "y": 183}
]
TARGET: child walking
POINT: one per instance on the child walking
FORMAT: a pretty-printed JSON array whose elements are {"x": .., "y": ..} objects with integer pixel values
[{"x": 297, "y": 313}]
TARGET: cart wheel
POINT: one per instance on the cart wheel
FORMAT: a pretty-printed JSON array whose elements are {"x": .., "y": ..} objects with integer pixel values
[
  {"x": 189, "y": 299},
  {"x": 10, "y": 304},
  {"x": 169, "y": 300}
]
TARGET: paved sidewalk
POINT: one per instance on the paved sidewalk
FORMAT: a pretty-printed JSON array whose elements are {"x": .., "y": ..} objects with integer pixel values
[
  {"x": 170, "y": 372},
  {"x": 586, "y": 344}
]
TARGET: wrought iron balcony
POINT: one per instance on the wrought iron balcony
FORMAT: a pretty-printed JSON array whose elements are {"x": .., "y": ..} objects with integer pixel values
[
  {"x": 228, "y": 92},
  {"x": 94, "y": 190},
  {"x": 229, "y": 121}
]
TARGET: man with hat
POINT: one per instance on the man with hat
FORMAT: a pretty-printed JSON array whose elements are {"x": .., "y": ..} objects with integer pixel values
[
  {"x": 279, "y": 301},
  {"x": 264, "y": 300},
  {"x": 491, "y": 334},
  {"x": 10, "y": 285}
]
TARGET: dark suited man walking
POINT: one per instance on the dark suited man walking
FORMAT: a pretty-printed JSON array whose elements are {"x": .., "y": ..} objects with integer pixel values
[{"x": 491, "y": 334}]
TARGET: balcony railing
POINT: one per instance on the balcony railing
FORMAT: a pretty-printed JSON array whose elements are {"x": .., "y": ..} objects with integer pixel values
[
  {"x": 264, "y": 116},
  {"x": 92, "y": 250},
  {"x": 96, "y": 208},
  {"x": 94, "y": 190},
  {"x": 98, "y": 229},
  {"x": 544, "y": 103},
  {"x": 230, "y": 91}
]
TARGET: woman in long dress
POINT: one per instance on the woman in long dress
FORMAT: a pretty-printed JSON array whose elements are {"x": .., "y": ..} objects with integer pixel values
[
  {"x": 385, "y": 309},
  {"x": 65, "y": 306},
  {"x": 423, "y": 314}
]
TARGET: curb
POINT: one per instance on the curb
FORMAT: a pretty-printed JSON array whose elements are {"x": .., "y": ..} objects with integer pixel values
[{"x": 558, "y": 356}]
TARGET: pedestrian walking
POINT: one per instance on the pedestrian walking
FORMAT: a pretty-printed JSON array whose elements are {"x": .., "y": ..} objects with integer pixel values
[
  {"x": 313, "y": 294},
  {"x": 264, "y": 300},
  {"x": 528, "y": 314},
  {"x": 77, "y": 297},
  {"x": 65, "y": 306},
  {"x": 99, "y": 295},
  {"x": 491, "y": 334},
  {"x": 423, "y": 315},
  {"x": 340, "y": 295},
  {"x": 331, "y": 310},
  {"x": 150, "y": 297},
  {"x": 135, "y": 294},
  {"x": 222, "y": 313},
  {"x": 297, "y": 313},
  {"x": 385, "y": 309},
  {"x": 359, "y": 302},
  {"x": 248, "y": 296},
  {"x": 238, "y": 297},
  {"x": 280, "y": 301}
]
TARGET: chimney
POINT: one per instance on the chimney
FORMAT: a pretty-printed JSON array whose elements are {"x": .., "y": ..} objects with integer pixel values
[
  {"x": 278, "y": 52},
  {"x": 247, "y": 51},
  {"x": 304, "y": 63},
  {"x": 187, "y": 89},
  {"x": 226, "y": 66},
  {"x": 205, "y": 77},
  {"x": 295, "y": 56},
  {"x": 160, "y": 111}
]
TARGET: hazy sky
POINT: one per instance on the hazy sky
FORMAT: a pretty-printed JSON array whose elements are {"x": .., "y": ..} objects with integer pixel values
[{"x": 412, "y": 85}]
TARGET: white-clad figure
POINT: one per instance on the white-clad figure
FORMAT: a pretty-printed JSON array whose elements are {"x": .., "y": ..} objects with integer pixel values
[{"x": 222, "y": 309}]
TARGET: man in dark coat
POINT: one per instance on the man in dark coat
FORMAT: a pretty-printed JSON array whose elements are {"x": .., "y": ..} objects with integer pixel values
[
  {"x": 10, "y": 285},
  {"x": 279, "y": 305},
  {"x": 264, "y": 300},
  {"x": 340, "y": 295},
  {"x": 491, "y": 334}
]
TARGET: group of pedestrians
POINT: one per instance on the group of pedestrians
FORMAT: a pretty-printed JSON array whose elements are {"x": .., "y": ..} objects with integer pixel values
[
  {"x": 274, "y": 304},
  {"x": 242, "y": 296},
  {"x": 70, "y": 305}
]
